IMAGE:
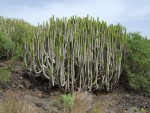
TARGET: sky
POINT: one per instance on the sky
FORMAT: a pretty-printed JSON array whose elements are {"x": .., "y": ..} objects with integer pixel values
[{"x": 133, "y": 14}]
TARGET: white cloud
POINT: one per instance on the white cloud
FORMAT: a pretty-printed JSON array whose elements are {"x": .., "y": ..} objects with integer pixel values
[{"x": 107, "y": 10}]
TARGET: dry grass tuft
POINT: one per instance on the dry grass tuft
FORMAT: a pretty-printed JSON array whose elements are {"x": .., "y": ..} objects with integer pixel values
[
  {"x": 98, "y": 107},
  {"x": 82, "y": 102},
  {"x": 12, "y": 104}
]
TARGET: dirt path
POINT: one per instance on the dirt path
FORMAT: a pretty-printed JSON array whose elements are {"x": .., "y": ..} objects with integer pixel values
[{"x": 47, "y": 101}]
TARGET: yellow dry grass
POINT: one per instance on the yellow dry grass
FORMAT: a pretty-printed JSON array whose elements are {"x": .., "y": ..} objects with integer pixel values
[
  {"x": 12, "y": 104},
  {"x": 82, "y": 102},
  {"x": 98, "y": 107}
]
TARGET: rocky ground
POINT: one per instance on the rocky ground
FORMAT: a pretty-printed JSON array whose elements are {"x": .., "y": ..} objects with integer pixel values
[{"x": 46, "y": 100}]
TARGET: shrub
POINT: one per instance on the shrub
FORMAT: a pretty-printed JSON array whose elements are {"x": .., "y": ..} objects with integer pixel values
[
  {"x": 137, "y": 61},
  {"x": 6, "y": 46},
  {"x": 21, "y": 32},
  {"x": 78, "y": 102},
  {"x": 4, "y": 75},
  {"x": 85, "y": 53},
  {"x": 67, "y": 100}
]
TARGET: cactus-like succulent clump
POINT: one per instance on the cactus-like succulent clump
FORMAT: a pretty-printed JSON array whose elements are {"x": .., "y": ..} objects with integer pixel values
[{"x": 76, "y": 53}]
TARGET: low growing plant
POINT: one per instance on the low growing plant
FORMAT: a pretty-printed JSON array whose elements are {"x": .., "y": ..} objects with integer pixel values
[
  {"x": 12, "y": 104},
  {"x": 4, "y": 75},
  {"x": 68, "y": 101},
  {"x": 98, "y": 108},
  {"x": 82, "y": 102},
  {"x": 78, "y": 102}
]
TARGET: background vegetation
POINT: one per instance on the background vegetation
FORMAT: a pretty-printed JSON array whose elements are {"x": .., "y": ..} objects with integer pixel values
[
  {"x": 137, "y": 61},
  {"x": 7, "y": 46}
]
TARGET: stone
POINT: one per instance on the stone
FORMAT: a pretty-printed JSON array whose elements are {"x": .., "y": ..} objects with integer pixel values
[
  {"x": 1, "y": 95},
  {"x": 20, "y": 86},
  {"x": 54, "y": 112},
  {"x": 39, "y": 104}
]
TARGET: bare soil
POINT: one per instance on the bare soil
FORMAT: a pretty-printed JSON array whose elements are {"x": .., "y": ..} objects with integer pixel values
[{"x": 46, "y": 99}]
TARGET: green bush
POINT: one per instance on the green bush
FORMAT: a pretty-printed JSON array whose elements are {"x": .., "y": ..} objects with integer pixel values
[
  {"x": 6, "y": 46},
  {"x": 22, "y": 32},
  {"x": 4, "y": 75},
  {"x": 67, "y": 100},
  {"x": 137, "y": 61}
]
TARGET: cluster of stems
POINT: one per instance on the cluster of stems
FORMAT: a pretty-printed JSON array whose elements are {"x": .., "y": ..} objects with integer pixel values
[{"x": 76, "y": 53}]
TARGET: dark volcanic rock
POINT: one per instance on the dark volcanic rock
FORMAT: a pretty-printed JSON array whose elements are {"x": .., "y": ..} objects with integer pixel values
[
  {"x": 39, "y": 104},
  {"x": 54, "y": 112}
]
